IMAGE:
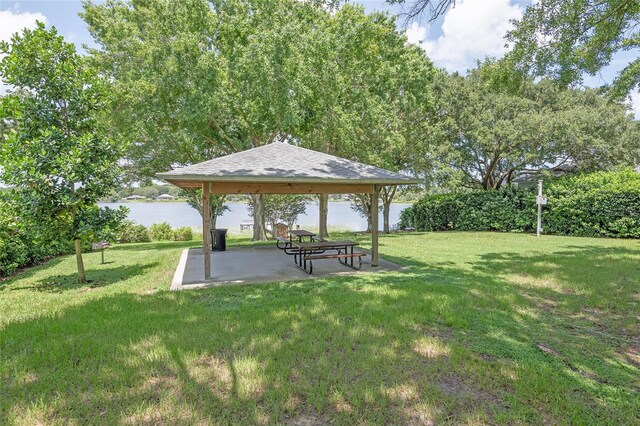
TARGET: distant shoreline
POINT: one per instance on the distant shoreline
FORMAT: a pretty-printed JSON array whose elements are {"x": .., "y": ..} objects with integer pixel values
[{"x": 183, "y": 200}]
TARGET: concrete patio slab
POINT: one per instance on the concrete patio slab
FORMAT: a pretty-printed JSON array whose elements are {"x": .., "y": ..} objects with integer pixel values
[{"x": 258, "y": 264}]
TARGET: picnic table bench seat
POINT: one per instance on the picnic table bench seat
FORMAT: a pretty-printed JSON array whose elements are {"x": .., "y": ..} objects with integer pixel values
[
  {"x": 286, "y": 241},
  {"x": 305, "y": 253},
  {"x": 334, "y": 256}
]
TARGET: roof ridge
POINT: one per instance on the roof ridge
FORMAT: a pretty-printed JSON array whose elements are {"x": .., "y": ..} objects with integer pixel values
[{"x": 286, "y": 162}]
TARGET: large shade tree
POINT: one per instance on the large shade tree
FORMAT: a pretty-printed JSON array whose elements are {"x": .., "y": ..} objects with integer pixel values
[
  {"x": 495, "y": 123},
  {"x": 55, "y": 157},
  {"x": 378, "y": 99},
  {"x": 201, "y": 79},
  {"x": 565, "y": 39}
]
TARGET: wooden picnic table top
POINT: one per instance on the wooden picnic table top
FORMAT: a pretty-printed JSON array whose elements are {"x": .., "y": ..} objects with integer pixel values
[
  {"x": 325, "y": 245},
  {"x": 302, "y": 233}
]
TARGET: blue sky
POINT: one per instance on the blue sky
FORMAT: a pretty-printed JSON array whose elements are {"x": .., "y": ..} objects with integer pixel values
[{"x": 470, "y": 31}]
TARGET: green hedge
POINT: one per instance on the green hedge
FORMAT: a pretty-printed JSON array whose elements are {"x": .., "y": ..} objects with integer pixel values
[
  {"x": 23, "y": 245},
  {"x": 603, "y": 204},
  {"x": 131, "y": 232}
]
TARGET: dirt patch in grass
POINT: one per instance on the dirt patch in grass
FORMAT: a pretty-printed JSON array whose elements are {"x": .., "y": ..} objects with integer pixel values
[
  {"x": 159, "y": 384},
  {"x": 215, "y": 373},
  {"x": 429, "y": 347},
  {"x": 405, "y": 392},
  {"x": 433, "y": 343},
  {"x": 631, "y": 353},
  {"x": 442, "y": 333},
  {"x": 468, "y": 395},
  {"x": 419, "y": 415}
]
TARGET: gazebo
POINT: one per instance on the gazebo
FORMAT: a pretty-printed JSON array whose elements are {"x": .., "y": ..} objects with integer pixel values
[{"x": 282, "y": 168}]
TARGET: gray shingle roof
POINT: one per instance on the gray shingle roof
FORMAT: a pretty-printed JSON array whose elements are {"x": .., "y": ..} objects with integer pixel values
[{"x": 282, "y": 162}]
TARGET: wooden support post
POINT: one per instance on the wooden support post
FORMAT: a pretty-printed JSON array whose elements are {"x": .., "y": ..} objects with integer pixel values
[
  {"x": 323, "y": 203},
  {"x": 206, "y": 229},
  {"x": 374, "y": 225}
]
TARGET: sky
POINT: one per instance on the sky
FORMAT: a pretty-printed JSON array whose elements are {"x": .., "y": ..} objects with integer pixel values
[{"x": 472, "y": 30}]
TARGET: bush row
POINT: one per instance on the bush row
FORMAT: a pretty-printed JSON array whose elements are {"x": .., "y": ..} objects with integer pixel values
[
  {"x": 602, "y": 204},
  {"x": 131, "y": 232},
  {"x": 22, "y": 245}
]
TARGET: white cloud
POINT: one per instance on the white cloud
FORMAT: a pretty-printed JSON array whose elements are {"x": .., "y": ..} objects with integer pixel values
[
  {"x": 415, "y": 33},
  {"x": 12, "y": 22},
  {"x": 471, "y": 30}
]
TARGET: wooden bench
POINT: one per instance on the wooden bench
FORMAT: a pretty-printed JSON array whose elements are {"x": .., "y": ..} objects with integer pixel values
[
  {"x": 342, "y": 258},
  {"x": 286, "y": 242},
  {"x": 334, "y": 256},
  {"x": 246, "y": 225}
]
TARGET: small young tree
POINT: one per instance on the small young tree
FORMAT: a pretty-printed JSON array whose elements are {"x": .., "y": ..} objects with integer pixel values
[
  {"x": 362, "y": 204},
  {"x": 285, "y": 208},
  {"x": 53, "y": 153},
  {"x": 217, "y": 207}
]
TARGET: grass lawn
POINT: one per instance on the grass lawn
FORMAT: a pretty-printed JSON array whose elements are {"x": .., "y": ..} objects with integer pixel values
[{"x": 481, "y": 328}]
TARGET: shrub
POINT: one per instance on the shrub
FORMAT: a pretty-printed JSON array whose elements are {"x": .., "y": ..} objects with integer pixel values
[
  {"x": 602, "y": 204},
  {"x": 184, "y": 233},
  {"x": 24, "y": 244},
  {"x": 131, "y": 232},
  {"x": 161, "y": 232},
  {"x": 13, "y": 251},
  {"x": 597, "y": 204}
]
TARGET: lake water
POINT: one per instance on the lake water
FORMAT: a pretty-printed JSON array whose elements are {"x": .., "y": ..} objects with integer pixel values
[{"x": 181, "y": 214}]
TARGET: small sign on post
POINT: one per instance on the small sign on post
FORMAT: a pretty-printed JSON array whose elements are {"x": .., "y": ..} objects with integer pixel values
[
  {"x": 541, "y": 200},
  {"x": 102, "y": 245}
]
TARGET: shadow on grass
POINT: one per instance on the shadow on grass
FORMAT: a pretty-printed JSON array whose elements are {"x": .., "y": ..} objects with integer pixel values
[
  {"x": 30, "y": 271},
  {"x": 596, "y": 271},
  {"x": 430, "y": 345},
  {"x": 96, "y": 277}
]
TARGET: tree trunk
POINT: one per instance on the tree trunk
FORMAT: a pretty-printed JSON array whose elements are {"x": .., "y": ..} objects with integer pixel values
[
  {"x": 82, "y": 278},
  {"x": 364, "y": 200},
  {"x": 217, "y": 204},
  {"x": 259, "y": 232},
  {"x": 387, "y": 193},
  {"x": 386, "y": 206},
  {"x": 323, "y": 203}
]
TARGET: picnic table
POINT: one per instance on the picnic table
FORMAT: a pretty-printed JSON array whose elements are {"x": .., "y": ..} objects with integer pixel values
[
  {"x": 300, "y": 235},
  {"x": 247, "y": 224},
  {"x": 305, "y": 253}
]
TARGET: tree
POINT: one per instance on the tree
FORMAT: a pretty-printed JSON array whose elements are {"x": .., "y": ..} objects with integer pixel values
[
  {"x": 377, "y": 97},
  {"x": 563, "y": 39},
  {"x": 418, "y": 8},
  {"x": 199, "y": 79},
  {"x": 282, "y": 208},
  {"x": 362, "y": 204},
  {"x": 217, "y": 207},
  {"x": 54, "y": 155},
  {"x": 495, "y": 123}
]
